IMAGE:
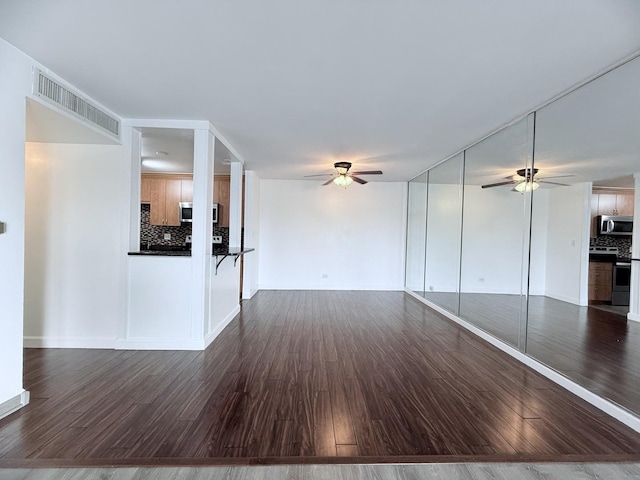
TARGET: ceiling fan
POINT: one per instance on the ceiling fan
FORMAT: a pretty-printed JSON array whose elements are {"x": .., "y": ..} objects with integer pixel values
[
  {"x": 525, "y": 180},
  {"x": 343, "y": 177}
]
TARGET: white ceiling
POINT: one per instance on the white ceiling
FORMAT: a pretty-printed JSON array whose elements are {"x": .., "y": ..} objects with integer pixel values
[{"x": 295, "y": 86}]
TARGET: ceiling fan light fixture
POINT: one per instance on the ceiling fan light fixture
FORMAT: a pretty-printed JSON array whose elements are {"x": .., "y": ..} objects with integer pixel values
[
  {"x": 526, "y": 186},
  {"x": 343, "y": 180}
]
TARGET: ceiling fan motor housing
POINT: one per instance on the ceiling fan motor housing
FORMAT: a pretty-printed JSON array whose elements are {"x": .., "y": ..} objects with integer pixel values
[{"x": 527, "y": 173}]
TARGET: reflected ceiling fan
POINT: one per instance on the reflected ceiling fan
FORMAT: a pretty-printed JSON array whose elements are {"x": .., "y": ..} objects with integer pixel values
[
  {"x": 525, "y": 180},
  {"x": 344, "y": 178}
]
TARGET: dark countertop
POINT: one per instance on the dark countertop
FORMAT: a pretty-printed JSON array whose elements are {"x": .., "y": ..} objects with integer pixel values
[{"x": 161, "y": 251}]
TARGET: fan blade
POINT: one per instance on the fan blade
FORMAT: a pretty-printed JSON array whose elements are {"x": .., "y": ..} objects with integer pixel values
[
  {"x": 359, "y": 180},
  {"x": 368, "y": 172},
  {"x": 320, "y": 175},
  {"x": 552, "y": 183},
  {"x": 555, "y": 176},
  {"x": 327, "y": 182},
  {"x": 510, "y": 182}
]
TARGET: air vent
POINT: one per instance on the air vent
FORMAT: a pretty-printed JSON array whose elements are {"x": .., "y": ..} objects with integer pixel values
[{"x": 50, "y": 90}]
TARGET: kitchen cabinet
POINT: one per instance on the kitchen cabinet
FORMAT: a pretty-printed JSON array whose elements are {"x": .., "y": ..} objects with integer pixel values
[
  {"x": 610, "y": 202},
  {"x": 222, "y": 196},
  {"x": 613, "y": 202},
  {"x": 164, "y": 193},
  {"x": 600, "y": 281}
]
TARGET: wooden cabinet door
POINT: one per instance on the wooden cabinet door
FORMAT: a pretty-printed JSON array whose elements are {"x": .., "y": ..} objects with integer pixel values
[
  {"x": 172, "y": 199},
  {"x": 624, "y": 204},
  {"x": 222, "y": 196},
  {"x": 157, "y": 188},
  {"x": 606, "y": 203},
  {"x": 145, "y": 190},
  {"x": 186, "y": 194}
]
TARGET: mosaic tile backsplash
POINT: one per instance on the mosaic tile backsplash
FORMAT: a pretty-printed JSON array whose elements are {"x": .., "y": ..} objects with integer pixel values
[
  {"x": 154, "y": 234},
  {"x": 623, "y": 243}
]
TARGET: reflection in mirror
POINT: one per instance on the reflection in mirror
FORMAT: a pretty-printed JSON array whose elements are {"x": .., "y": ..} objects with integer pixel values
[
  {"x": 444, "y": 221},
  {"x": 495, "y": 232},
  {"x": 416, "y": 224},
  {"x": 589, "y": 141}
]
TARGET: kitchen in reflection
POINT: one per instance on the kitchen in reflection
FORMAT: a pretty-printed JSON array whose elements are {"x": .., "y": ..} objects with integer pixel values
[{"x": 528, "y": 235}]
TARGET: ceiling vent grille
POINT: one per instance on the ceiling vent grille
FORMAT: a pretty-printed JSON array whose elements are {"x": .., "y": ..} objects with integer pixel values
[{"x": 54, "y": 92}]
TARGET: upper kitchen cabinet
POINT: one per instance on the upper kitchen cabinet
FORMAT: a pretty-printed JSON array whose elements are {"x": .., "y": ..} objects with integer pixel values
[
  {"x": 222, "y": 196},
  {"x": 164, "y": 193},
  {"x": 611, "y": 202}
]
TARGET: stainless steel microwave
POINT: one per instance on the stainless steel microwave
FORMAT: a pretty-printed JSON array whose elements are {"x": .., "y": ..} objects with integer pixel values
[
  {"x": 186, "y": 212},
  {"x": 615, "y": 225}
]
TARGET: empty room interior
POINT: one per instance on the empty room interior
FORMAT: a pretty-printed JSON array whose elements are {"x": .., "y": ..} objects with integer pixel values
[{"x": 329, "y": 233}]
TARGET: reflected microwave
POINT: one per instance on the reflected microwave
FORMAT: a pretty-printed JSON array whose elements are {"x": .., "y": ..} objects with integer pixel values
[
  {"x": 614, "y": 225},
  {"x": 186, "y": 212}
]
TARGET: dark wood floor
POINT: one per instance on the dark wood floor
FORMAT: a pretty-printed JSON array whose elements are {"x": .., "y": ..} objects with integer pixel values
[
  {"x": 597, "y": 349},
  {"x": 305, "y": 375}
]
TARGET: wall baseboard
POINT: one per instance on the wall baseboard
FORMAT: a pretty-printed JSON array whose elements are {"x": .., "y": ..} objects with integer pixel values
[
  {"x": 211, "y": 336},
  {"x": 13, "y": 404},
  {"x": 159, "y": 344},
  {"x": 563, "y": 298},
  {"x": 633, "y": 317},
  {"x": 252, "y": 292},
  {"x": 606, "y": 406},
  {"x": 68, "y": 342},
  {"x": 392, "y": 288}
]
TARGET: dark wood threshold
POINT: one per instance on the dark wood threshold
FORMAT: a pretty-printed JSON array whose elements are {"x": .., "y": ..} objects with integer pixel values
[{"x": 239, "y": 461}]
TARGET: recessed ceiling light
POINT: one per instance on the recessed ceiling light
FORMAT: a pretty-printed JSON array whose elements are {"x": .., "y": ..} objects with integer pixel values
[
  {"x": 156, "y": 164},
  {"x": 160, "y": 152}
]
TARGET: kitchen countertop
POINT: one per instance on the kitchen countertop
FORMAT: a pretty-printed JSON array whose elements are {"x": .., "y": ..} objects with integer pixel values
[{"x": 155, "y": 251}]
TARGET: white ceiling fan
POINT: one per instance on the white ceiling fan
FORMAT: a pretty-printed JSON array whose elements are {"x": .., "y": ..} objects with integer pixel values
[{"x": 344, "y": 178}]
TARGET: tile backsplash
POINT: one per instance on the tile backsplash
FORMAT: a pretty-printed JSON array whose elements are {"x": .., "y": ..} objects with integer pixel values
[
  {"x": 154, "y": 234},
  {"x": 623, "y": 243}
]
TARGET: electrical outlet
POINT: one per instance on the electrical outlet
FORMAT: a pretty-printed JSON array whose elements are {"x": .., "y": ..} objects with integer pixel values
[
  {"x": 167, "y": 236},
  {"x": 481, "y": 279},
  {"x": 216, "y": 239},
  {"x": 324, "y": 275}
]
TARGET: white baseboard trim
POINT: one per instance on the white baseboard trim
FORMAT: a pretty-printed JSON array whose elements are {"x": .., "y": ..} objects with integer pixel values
[
  {"x": 392, "y": 288},
  {"x": 563, "y": 298},
  {"x": 68, "y": 342},
  {"x": 634, "y": 317},
  {"x": 159, "y": 344},
  {"x": 606, "y": 406},
  {"x": 252, "y": 292},
  {"x": 14, "y": 403},
  {"x": 211, "y": 336}
]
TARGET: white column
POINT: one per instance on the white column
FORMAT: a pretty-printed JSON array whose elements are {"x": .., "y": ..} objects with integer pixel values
[
  {"x": 203, "y": 166},
  {"x": 235, "y": 205},
  {"x": 634, "y": 302},
  {"x": 132, "y": 138},
  {"x": 251, "y": 233}
]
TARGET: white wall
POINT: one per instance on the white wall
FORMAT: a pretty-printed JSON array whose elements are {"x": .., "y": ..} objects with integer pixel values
[
  {"x": 539, "y": 234},
  {"x": 443, "y": 238},
  {"x": 15, "y": 85},
  {"x": 74, "y": 251},
  {"x": 251, "y": 233},
  {"x": 160, "y": 305},
  {"x": 568, "y": 243},
  {"x": 416, "y": 236},
  {"x": 225, "y": 296},
  {"x": 493, "y": 234},
  {"x": 314, "y": 237}
]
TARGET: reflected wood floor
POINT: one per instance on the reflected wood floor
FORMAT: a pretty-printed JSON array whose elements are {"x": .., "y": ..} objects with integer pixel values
[
  {"x": 306, "y": 376},
  {"x": 595, "y": 348}
]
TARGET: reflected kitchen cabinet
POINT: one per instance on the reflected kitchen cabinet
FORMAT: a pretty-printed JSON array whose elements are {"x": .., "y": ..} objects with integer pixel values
[
  {"x": 164, "y": 193},
  {"x": 613, "y": 202},
  {"x": 222, "y": 196},
  {"x": 600, "y": 281}
]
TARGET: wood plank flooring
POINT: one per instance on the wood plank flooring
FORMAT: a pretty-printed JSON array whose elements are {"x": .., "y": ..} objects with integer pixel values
[
  {"x": 306, "y": 377},
  {"x": 597, "y": 349}
]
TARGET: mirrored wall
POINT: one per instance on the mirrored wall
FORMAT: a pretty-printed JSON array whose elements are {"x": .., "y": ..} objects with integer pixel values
[{"x": 508, "y": 235}]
